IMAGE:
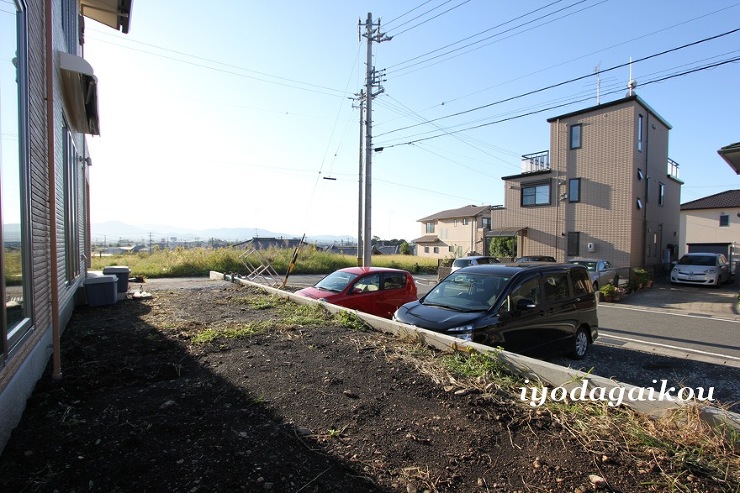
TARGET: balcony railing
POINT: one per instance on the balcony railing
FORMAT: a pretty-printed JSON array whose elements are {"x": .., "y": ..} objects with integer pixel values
[
  {"x": 539, "y": 161},
  {"x": 672, "y": 168}
]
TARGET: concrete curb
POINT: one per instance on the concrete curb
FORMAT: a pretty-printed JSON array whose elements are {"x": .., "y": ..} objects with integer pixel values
[{"x": 534, "y": 370}]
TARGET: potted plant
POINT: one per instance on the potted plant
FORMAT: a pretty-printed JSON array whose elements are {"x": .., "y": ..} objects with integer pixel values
[{"x": 607, "y": 292}]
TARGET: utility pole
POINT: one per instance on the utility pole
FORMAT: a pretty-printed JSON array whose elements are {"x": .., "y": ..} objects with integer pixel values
[
  {"x": 360, "y": 183},
  {"x": 372, "y": 33}
]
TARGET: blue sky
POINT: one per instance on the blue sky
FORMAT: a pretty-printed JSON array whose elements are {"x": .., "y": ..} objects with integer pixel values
[{"x": 232, "y": 116}]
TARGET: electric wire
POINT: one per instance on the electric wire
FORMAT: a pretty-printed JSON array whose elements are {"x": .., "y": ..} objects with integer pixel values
[
  {"x": 471, "y": 36},
  {"x": 432, "y": 18},
  {"x": 286, "y": 82},
  {"x": 522, "y": 115},
  {"x": 528, "y": 75},
  {"x": 569, "y": 81},
  {"x": 407, "y": 12},
  {"x": 406, "y": 70}
]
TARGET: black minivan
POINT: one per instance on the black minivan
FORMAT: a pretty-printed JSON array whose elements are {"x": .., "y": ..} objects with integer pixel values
[{"x": 529, "y": 309}]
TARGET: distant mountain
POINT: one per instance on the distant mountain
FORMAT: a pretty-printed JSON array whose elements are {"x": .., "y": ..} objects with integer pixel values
[{"x": 114, "y": 231}]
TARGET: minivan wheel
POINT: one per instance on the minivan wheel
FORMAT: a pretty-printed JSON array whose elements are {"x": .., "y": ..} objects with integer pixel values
[{"x": 580, "y": 344}]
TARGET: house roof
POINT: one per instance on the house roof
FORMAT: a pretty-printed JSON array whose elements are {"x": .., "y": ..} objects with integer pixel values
[
  {"x": 634, "y": 97},
  {"x": 427, "y": 239},
  {"x": 722, "y": 200},
  {"x": 467, "y": 211},
  {"x": 731, "y": 154}
]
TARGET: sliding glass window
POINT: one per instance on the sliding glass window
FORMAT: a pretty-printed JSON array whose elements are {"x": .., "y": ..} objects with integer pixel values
[{"x": 14, "y": 168}]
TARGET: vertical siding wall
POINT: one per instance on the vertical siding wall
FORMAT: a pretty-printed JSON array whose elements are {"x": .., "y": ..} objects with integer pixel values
[{"x": 27, "y": 364}]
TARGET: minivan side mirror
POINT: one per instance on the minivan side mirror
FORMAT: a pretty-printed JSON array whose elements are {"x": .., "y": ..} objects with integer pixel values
[{"x": 525, "y": 304}]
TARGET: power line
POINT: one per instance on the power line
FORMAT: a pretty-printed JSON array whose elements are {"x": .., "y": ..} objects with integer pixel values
[
  {"x": 525, "y": 76},
  {"x": 406, "y": 13},
  {"x": 405, "y": 69},
  {"x": 433, "y": 17},
  {"x": 471, "y": 36},
  {"x": 291, "y": 83},
  {"x": 569, "y": 81},
  {"x": 661, "y": 79}
]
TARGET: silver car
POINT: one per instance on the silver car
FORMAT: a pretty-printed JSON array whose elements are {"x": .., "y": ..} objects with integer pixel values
[
  {"x": 708, "y": 269},
  {"x": 601, "y": 271}
]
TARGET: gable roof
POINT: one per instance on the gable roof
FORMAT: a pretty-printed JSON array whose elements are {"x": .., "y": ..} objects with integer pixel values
[
  {"x": 467, "y": 211},
  {"x": 722, "y": 200}
]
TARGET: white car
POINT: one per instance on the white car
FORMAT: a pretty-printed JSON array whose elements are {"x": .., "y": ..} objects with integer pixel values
[
  {"x": 473, "y": 260},
  {"x": 707, "y": 269}
]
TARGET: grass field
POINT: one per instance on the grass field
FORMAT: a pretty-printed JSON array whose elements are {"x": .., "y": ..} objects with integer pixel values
[{"x": 196, "y": 262}]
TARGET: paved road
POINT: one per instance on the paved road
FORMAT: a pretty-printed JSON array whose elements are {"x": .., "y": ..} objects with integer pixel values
[{"x": 683, "y": 321}]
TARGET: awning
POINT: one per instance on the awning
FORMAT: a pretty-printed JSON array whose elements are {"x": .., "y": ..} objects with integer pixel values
[
  {"x": 509, "y": 231},
  {"x": 112, "y": 13},
  {"x": 731, "y": 154},
  {"x": 80, "y": 93}
]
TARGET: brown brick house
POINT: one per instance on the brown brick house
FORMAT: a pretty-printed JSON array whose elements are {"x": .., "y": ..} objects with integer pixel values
[{"x": 605, "y": 189}]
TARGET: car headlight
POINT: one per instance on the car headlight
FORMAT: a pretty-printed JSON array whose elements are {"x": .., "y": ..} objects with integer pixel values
[
  {"x": 462, "y": 328},
  {"x": 710, "y": 271}
]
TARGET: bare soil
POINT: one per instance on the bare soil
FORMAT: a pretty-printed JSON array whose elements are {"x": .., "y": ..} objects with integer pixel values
[{"x": 141, "y": 407}]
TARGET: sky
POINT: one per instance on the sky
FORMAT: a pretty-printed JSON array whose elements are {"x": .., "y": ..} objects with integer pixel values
[{"x": 244, "y": 114}]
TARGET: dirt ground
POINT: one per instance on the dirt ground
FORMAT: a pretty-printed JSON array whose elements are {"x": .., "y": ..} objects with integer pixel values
[{"x": 143, "y": 407}]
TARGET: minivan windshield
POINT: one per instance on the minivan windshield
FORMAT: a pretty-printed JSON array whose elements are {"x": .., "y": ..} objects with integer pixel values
[{"x": 466, "y": 292}]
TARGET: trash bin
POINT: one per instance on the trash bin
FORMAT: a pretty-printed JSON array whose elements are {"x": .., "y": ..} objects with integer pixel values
[
  {"x": 100, "y": 289},
  {"x": 121, "y": 272}
]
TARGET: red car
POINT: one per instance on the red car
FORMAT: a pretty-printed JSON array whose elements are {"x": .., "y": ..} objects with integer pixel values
[{"x": 375, "y": 290}]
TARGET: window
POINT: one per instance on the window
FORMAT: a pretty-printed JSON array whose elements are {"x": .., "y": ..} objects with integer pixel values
[
  {"x": 724, "y": 220},
  {"x": 430, "y": 227},
  {"x": 426, "y": 249},
  {"x": 537, "y": 194},
  {"x": 454, "y": 222},
  {"x": 436, "y": 249},
  {"x": 639, "y": 203},
  {"x": 639, "y": 133},
  {"x": 574, "y": 190},
  {"x": 14, "y": 180},
  {"x": 465, "y": 221},
  {"x": 640, "y": 174},
  {"x": 581, "y": 282},
  {"x": 71, "y": 195},
  {"x": 556, "y": 286},
  {"x": 574, "y": 240},
  {"x": 69, "y": 24},
  {"x": 486, "y": 222},
  {"x": 394, "y": 280},
  {"x": 527, "y": 290},
  {"x": 661, "y": 193},
  {"x": 575, "y": 136}
]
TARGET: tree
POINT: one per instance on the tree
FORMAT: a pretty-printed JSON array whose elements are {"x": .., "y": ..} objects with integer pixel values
[
  {"x": 503, "y": 246},
  {"x": 405, "y": 248}
]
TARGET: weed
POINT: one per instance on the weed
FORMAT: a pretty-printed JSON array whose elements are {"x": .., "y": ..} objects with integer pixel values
[{"x": 351, "y": 321}]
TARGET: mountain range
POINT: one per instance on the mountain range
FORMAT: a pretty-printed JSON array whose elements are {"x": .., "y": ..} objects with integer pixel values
[{"x": 110, "y": 232}]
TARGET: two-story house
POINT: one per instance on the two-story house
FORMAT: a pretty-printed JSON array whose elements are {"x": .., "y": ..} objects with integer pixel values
[
  {"x": 48, "y": 104},
  {"x": 605, "y": 189},
  {"x": 454, "y": 233},
  {"x": 712, "y": 224}
]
